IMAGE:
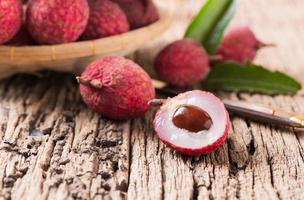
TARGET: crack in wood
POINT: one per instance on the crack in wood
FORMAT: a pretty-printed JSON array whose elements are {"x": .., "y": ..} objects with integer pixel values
[{"x": 89, "y": 157}]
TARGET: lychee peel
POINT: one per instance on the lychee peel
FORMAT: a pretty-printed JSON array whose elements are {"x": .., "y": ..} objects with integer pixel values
[
  {"x": 117, "y": 87},
  {"x": 139, "y": 12},
  {"x": 56, "y": 21},
  {"x": 187, "y": 142},
  {"x": 106, "y": 19},
  {"x": 183, "y": 62},
  {"x": 10, "y": 19},
  {"x": 239, "y": 44},
  {"x": 22, "y": 37}
]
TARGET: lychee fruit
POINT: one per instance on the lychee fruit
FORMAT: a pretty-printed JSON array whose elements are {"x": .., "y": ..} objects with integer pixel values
[
  {"x": 22, "y": 37},
  {"x": 239, "y": 44},
  {"x": 193, "y": 123},
  {"x": 183, "y": 62},
  {"x": 139, "y": 12},
  {"x": 10, "y": 19},
  {"x": 56, "y": 21},
  {"x": 106, "y": 19},
  {"x": 116, "y": 87}
]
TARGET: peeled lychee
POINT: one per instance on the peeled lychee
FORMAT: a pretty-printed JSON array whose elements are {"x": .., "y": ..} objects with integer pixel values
[
  {"x": 116, "y": 87},
  {"x": 239, "y": 44},
  {"x": 56, "y": 21},
  {"x": 192, "y": 123},
  {"x": 139, "y": 12},
  {"x": 184, "y": 62},
  {"x": 10, "y": 19},
  {"x": 106, "y": 19}
]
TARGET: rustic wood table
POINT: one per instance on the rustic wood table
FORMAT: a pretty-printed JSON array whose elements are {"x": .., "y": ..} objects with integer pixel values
[{"x": 53, "y": 147}]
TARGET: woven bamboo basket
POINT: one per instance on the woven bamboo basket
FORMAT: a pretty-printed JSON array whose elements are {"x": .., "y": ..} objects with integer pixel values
[{"x": 74, "y": 57}]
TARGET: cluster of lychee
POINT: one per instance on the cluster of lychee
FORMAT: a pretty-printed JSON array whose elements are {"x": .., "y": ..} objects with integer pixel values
[
  {"x": 64, "y": 21},
  {"x": 192, "y": 123},
  {"x": 186, "y": 62}
]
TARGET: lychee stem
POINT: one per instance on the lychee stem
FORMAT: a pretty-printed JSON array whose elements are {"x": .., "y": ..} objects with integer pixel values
[
  {"x": 92, "y": 83},
  {"x": 156, "y": 102},
  {"x": 215, "y": 58},
  {"x": 263, "y": 45}
]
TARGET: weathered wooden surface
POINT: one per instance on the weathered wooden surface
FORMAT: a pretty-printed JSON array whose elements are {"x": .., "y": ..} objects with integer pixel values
[{"x": 53, "y": 147}]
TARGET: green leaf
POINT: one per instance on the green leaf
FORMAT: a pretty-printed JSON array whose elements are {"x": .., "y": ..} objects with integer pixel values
[
  {"x": 250, "y": 78},
  {"x": 208, "y": 26}
]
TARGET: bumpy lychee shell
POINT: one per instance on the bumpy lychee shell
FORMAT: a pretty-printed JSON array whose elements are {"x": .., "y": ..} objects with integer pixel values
[
  {"x": 10, "y": 19},
  {"x": 56, "y": 21},
  {"x": 139, "y": 12},
  {"x": 126, "y": 88},
  {"x": 239, "y": 44},
  {"x": 22, "y": 37},
  {"x": 106, "y": 19},
  {"x": 184, "y": 62},
  {"x": 188, "y": 142}
]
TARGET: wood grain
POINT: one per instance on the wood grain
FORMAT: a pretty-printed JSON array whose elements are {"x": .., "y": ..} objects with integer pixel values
[{"x": 53, "y": 147}]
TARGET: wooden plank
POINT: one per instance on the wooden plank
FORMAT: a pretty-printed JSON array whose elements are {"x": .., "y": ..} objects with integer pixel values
[
  {"x": 257, "y": 161},
  {"x": 76, "y": 154},
  {"x": 53, "y": 147}
]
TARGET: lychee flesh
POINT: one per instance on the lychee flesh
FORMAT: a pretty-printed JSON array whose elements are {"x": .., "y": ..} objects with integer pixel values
[
  {"x": 189, "y": 142},
  {"x": 239, "y": 44},
  {"x": 139, "y": 12},
  {"x": 106, "y": 19},
  {"x": 10, "y": 19},
  {"x": 183, "y": 62},
  {"x": 56, "y": 21},
  {"x": 125, "y": 88}
]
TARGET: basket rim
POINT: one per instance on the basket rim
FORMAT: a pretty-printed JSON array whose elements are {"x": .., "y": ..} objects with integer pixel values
[{"x": 11, "y": 54}]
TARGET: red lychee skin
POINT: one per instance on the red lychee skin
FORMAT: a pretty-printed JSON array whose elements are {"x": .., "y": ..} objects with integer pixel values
[
  {"x": 196, "y": 151},
  {"x": 183, "y": 62},
  {"x": 56, "y": 21},
  {"x": 106, "y": 19},
  {"x": 239, "y": 44},
  {"x": 139, "y": 12},
  {"x": 126, "y": 89},
  {"x": 22, "y": 37},
  {"x": 10, "y": 19}
]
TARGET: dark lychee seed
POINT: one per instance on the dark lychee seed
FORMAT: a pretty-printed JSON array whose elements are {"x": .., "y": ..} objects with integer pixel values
[{"x": 191, "y": 118}]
